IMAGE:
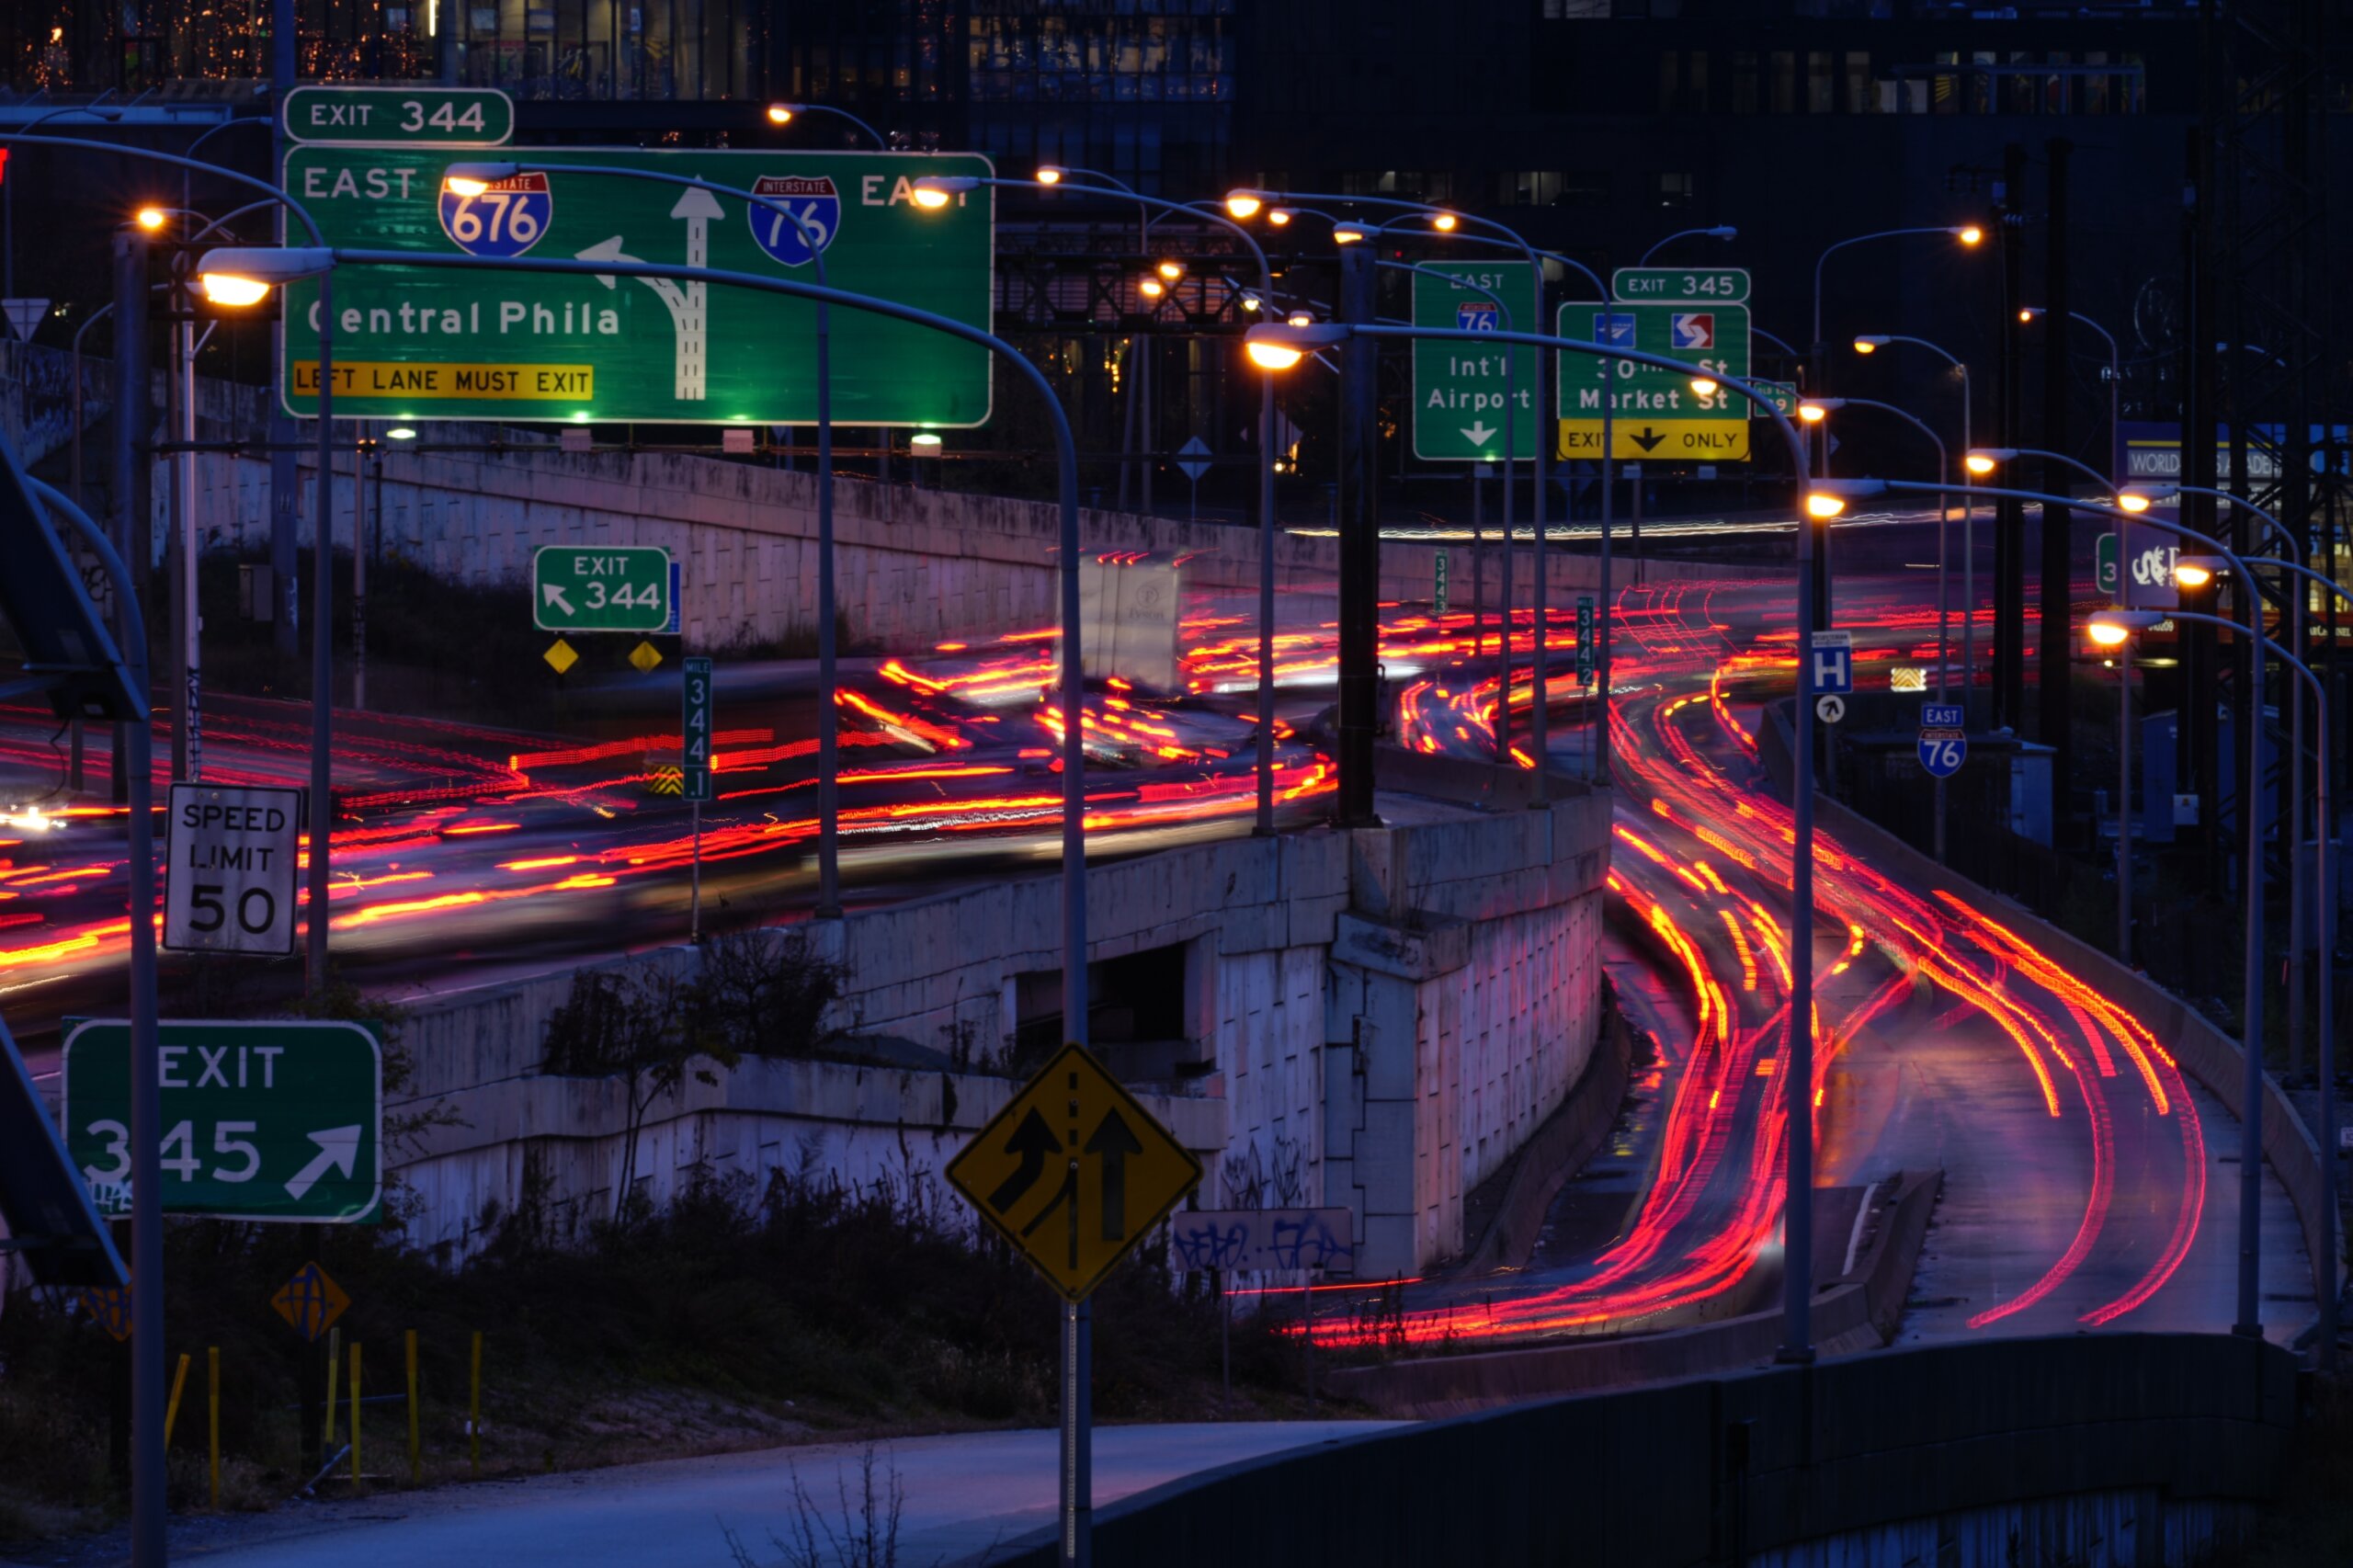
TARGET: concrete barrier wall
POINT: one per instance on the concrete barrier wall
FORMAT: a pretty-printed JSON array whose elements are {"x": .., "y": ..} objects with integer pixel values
[
  {"x": 2112, "y": 1451},
  {"x": 2204, "y": 1053},
  {"x": 1495, "y": 1031}
]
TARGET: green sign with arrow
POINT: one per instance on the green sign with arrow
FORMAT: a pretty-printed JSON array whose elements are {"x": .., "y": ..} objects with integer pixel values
[
  {"x": 281, "y": 1120},
  {"x": 606, "y": 588},
  {"x": 1657, "y": 413},
  {"x": 1461, "y": 389},
  {"x": 494, "y": 344}
]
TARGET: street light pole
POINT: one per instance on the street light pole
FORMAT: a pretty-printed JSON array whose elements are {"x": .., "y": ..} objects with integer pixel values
[
  {"x": 2249, "y": 1321},
  {"x": 1866, "y": 344},
  {"x": 1276, "y": 346}
]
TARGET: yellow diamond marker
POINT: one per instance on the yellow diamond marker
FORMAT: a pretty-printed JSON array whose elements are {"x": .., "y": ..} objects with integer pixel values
[
  {"x": 562, "y": 656},
  {"x": 645, "y": 657}
]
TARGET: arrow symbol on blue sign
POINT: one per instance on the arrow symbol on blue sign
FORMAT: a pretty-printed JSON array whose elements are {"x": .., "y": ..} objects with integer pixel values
[{"x": 338, "y": 1152}]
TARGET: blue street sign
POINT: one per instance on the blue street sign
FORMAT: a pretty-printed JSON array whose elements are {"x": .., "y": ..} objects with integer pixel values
[
  {"x": 1941, "y": 716},
  {"x": 1830, "y": 664},
  {"x": 1478, "y": 316},
  {"x": 1614, "y": 329},
  {"x": 814, "y": 200},
  {"x": 1942, "y": 752}
]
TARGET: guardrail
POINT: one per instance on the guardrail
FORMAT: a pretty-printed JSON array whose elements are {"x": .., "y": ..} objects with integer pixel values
[{"x": 2154, "y": 1446}]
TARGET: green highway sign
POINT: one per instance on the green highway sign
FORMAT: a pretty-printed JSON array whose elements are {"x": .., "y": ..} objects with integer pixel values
[
  {"x": 1584, "y": 640},
  {"x": 419, "y": 113},
  {"x": 1460, "y": 389},
  {"x": 1669, "y": 285},
  {"x": 262, "y": 1120},
  {"x": 2105, "y": 576},
  {"x": 1657, "y": 413},
  {"x": 601, "y": 587},
  {"x": 1438, "y": 586},
  {"x": 695, "y": 731},
  {"x": 1784, "y": 395},
  {"x": 488, "y": 344}
]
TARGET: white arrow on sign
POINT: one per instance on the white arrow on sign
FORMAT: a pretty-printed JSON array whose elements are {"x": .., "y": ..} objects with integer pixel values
[
  {"x": 1479, "y": 433},
  {"x": 338, "y": 1152},
  {"x": 685, "y": 305},
  {"x": 553, "y": 593}
]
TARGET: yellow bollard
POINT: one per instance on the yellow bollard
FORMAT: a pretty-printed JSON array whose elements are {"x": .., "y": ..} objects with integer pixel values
[
  {"x": 408, "y": 1345},
  {"x": 335, "y": 1366},
  {"x": 355, "y": 1414},
  {"x": 473, "y": 1403},
  {"x": 213, "y": 1415},
  {"x": 172, "y": 1406}
]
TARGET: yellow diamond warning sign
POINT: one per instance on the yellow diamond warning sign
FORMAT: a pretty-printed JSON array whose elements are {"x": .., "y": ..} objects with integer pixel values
[
  {"x": 1074, "y": 1172},
  {"x": 1637, "y": 439}
]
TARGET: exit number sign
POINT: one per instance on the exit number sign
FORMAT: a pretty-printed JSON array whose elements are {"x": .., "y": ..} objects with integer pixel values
[{"x": 422, "y": 115}]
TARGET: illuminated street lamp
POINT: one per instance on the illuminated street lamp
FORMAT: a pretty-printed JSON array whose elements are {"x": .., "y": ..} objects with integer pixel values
[
  {"x": 1867, "y": 343},
  {"x": 2117, "y": 630},
  {"x": 1983, "y": 460},
  {"x": 2252, "y": 1087},
  {"x": 785, "y": 114}
]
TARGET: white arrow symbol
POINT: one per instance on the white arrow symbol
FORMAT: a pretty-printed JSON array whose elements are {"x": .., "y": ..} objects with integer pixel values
[
  {"x": 553, "y": 593},
  {"x": 338, "y": 1151},
  {"x": 1478, "y": 433},
  {"x": 684, "y": 305}
]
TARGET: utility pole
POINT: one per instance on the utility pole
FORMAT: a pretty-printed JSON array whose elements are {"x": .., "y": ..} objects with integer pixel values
[
  {"x": 2056, "y": 712},
  {"x": 284, "y": 475},
  {"x": 2009, "y": 515},
  {"x": 132, "y": 528},
  {"x": 1359, "y": 544}
]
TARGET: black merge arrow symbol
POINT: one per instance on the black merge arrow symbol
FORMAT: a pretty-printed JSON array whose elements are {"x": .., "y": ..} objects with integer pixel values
[
  {"x": 1115, "y": 1141},
  {"x": 1033, "y": 1140},
  {"x": 1648, "y": 441}
]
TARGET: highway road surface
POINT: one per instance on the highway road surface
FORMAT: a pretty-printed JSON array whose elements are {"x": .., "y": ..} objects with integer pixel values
[{"x": 962, "y": 1496}]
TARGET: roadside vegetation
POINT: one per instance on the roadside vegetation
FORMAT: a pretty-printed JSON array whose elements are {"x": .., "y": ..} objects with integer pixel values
[{"x": 747, "y": 1313}]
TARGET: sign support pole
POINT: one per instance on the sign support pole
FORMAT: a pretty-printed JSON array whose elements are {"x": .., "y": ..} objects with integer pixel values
[
  {"x": 2125, "y": 821},
  {"x": 1078, "y": 1435}
]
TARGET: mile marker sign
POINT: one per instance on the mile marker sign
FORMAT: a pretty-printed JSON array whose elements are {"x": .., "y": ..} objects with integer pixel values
[
  {"x": 229, "y": 880},
  {"x": 281, "y": 1120},
  {"x": 612, "y": 588}
]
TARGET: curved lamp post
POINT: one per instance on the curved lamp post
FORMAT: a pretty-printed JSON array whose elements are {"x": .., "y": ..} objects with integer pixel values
[
  {"x": 470, "y": 179},
  {"x": 1275, "y": 346},
  {"x": 944, "y": 187},
  {"x": 2249, "y": 1321}
]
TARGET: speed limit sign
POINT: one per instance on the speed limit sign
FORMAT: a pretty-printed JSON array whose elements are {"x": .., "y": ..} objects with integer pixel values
[{"x": 229, "y": 880}]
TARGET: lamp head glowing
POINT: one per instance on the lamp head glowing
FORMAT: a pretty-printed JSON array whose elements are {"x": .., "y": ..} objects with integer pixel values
[
  {"x": 1151, "y": 288},
  {"x": 464, "y": 184},
  {"x": 1446, "y": 222},
  {"x": 1969, "y": 233},
  {"x": 243, "y": 275},
  {"x": 1824, "y": 504},
  {"x": 1871, "y": 344},
  {"x": 1171, "y": 270},
  {"x": 1983, "y": 460},
  {"x": 1250, "y": 302},
  {"x": 152, "y": 218},
  {"x": 1274, "y": 356},
  {"x": 926, "y": 440},
  {"x": 2106, "y": 634},
  {"x": 1812, "y": 413},
  {"x": 472, "y": 178},
  {"x": 233, "y": 288},
  {"x": 1050, "y": 174},
  {"x": 1299, "y": 318},
  {"x": 1279, "y": 216},
  {"x": 1349, "y": 233},
  {"x": 400, "y": 432},
  {"x": 1706, "y": 386},
  {"x": 2190, "y": 574},
  {"x": 2133, "y": 501},
  {"x": 1242, "y": 204},
  {"x": 933, "y": 192},
  {"x": 780, "y": 114}
]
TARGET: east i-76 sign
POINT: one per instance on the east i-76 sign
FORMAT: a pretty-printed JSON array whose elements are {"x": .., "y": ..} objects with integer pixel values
[
  {"x": 457, "y": 342},
  {"x": 1461, "y": 389}
]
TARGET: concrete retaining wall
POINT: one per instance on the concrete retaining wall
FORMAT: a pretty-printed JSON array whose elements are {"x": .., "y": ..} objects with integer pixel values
[
  {"x": 2104, "y": 1451},
  {"x": 1462, "y": 951}
]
